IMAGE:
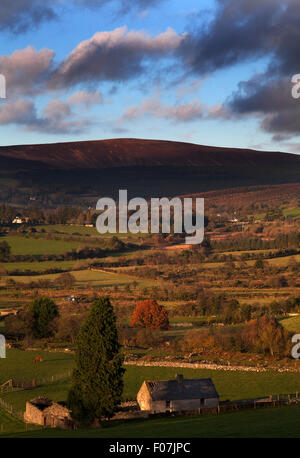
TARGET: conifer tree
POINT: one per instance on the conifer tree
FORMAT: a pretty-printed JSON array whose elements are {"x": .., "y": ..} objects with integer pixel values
[
  {"x": 44, "y": 311},
  {"x": 97, "y": 384}
]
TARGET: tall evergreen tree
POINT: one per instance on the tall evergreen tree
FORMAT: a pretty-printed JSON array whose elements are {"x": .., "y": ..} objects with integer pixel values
[{"x": 97, "y": 384}]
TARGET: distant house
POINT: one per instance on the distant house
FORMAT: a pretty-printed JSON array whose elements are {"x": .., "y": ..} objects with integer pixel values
[
  {"x": 43, "y": 411},
  {"x": 177, "y": 395},
  {"x": 233, "y": 220},
  {"x": 18, "y": 220}
]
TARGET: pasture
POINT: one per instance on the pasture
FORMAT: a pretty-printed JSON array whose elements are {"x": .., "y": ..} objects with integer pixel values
[
  {"x": 263, "y": 423},
  {"x": 292, "y": 324},
  {"x": 292, "y": 212},
  {"x": 232, "y": 385},
  {"x": 92, "y": 278},
  {"x": 40, "y": 266},
  {"x": 31, "y": 246}
]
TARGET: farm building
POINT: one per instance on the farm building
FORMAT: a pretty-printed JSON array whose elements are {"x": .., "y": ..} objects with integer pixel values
[
  {"x": 43, "y": 411},
  {"x": 177, "y": 395}
]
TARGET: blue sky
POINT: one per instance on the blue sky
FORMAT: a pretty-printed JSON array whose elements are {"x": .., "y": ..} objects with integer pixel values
[{"x": 164, "y": 69}]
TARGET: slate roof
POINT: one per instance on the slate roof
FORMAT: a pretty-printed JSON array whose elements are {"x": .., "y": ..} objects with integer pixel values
[{"x": 172, "y": 390}]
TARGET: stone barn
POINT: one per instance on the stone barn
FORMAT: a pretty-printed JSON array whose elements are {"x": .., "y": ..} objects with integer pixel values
[
  {"x": 43, "y": 411},
  {"x": 177, "y": 395}
]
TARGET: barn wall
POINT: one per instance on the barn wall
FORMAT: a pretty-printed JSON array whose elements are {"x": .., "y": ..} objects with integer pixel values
[
  {"x": 143, "y": 398},
  {"x": 186, "y": 404},
  {"x": 33, "y": 415},
  {"x": 213, "y": 402},
  {"x": 158, "y": 406}
]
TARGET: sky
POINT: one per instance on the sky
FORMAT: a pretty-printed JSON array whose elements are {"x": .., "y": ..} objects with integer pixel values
[{"x": 212, "y": 72}]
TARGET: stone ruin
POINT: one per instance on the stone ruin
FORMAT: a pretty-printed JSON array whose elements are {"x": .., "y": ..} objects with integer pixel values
[{"x": 42, "y": 411}]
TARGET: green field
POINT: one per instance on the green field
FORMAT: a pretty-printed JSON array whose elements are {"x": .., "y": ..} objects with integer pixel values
[
  {"x": 278, "y": 422},
  {"x": 89, "y": 231},
  {"x": 94, "y": 278},
  {"x": 68, "y": 229},
  {"x": 20, "y": 366},
  {"x": 292, "y": 324},
  {"x": 230, "y": 385},
  {"x": 9, "y": 424},
  {"x": 293, "y": 212},
  {"x": 40, "y": 266},
  {"x": 30, "y": 246}
]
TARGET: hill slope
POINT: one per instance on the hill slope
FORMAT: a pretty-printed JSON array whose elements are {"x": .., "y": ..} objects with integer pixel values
[
  {"x": 83, "y": 171},
  {"x": 142, "y": 153}
]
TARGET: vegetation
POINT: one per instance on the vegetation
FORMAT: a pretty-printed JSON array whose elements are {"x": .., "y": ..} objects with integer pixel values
[
  {"x": 44, "y": 311},
  {"x": 97, "y": 382},
  {"x": 234, "y": 300},
  {"x": 263, "y": 423},
  {"x": 149, "y": 314}
]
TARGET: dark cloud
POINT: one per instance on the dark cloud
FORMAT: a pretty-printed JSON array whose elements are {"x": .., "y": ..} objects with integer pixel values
[
  {"x": 242, "y": 31},
  {"x": 117, "y": 55},
  {"x": 122, "y": 5},
  {"x": 19, "y": 15},
  {"x": 271, "y": 99}
]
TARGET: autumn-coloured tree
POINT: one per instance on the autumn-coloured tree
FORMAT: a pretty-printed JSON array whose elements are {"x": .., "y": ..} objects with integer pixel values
[
  {"x": 149, "y": 314},
  {"x": 266, "y": 335}
]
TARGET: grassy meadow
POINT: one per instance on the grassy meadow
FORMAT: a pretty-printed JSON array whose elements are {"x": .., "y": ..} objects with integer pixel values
[
  {"x": 39, "y": 246},
  {"x": 231, "y": 385},
  {"x": 263, "y": 423}
]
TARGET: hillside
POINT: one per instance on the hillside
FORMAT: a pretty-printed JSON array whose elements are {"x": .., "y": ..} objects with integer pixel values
[
  {"x": 142, "y": 153},
  {"x": 82, "y": 171}
]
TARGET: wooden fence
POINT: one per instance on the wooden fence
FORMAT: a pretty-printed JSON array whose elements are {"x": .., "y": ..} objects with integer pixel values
[
  {"x": 230, "y": 406},
  {"x": 11, "y": 410},
  {"x": 31, "y": 384}
]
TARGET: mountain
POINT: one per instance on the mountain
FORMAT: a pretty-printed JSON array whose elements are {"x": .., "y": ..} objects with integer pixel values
[
  {"x": 141, "y": 153},
  {"x": 86, "y": 170}
]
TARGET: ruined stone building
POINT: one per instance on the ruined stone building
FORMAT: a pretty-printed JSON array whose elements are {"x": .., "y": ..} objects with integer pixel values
[
  {"x": 43, "y": 411},
  {"x": 177, "y": 395}
]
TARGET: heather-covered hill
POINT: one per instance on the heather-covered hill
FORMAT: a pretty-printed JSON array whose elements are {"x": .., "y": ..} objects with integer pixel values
[{"x": 86, "y": 170}]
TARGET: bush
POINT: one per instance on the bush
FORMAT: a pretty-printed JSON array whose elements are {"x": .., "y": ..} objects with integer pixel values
[{"x": 44, "y": 311}]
